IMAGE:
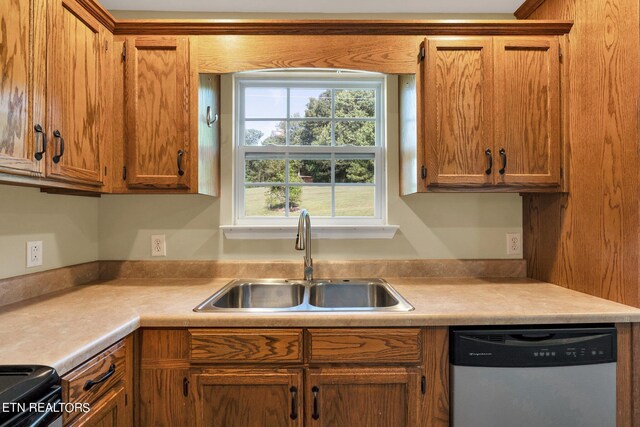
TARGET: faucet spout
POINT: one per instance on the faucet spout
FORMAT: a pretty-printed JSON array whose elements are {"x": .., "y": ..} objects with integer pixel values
[{"x": 303, "y": 242}]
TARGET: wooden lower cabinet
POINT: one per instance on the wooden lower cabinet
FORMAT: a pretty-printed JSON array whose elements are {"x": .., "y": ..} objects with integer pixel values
[
  {"x": 109, "y": 411},
  {"x": 105, "y": 382},
  {"x": 253, "y": 397},
  {"x": 366, "y": 397},
  {"x": 386, "y": 377}
]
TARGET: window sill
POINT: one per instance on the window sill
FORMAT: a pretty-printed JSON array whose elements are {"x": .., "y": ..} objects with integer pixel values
[{"x": 273, "y": 232}]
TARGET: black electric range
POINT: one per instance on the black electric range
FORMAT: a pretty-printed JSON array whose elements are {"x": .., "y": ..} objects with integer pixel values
[{"x": 30, "y": 395}]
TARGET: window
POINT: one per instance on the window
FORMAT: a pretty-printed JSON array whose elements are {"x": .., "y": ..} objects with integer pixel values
[{"x": 309, "y": 140}]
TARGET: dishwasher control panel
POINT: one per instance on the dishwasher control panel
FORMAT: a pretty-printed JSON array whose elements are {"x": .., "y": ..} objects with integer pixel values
[{"x": 533, "y": 346}]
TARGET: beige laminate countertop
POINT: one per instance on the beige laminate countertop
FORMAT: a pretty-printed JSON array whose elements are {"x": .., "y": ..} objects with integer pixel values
[{"x": 66, "y": 328}]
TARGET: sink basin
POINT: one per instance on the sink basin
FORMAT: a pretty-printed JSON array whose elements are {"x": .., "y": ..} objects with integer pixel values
[
  {"x": 261, "y": 294},
  {"x": 270, "y": 295},
  {"x": 356, "y": 295}
]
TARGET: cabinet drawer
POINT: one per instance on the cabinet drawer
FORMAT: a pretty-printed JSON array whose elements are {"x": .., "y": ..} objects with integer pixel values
[
  {"x": 245, "y": 346},
  {"x": 365, "y": 345},
  {"x": 108, "y": 365}
]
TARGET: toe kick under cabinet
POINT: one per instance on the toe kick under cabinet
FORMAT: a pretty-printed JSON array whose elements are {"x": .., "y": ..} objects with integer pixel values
[{"x": 294, "y": 377}]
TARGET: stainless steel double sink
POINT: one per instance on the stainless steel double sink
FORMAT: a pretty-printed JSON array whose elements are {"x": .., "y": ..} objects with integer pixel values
[{"x": 272, "y": 295}]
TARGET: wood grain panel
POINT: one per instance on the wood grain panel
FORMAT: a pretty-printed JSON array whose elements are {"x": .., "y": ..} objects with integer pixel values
[
  {"x": 239, "y": 398},
  {"x": 106, "y": 108},
  {"x": 436, "y": 370},
  {"x": 365, "y": 345},
  {"x": 635, "y": 378},
  {"x": 73, "y": 89},
  {"x": 161, "y": 402},
  {"x": 22, "y": 60},
  {"x": 414, "y": 27},
  {"x": 164, "y": 344},
  {"x": 364, "y": 397},
  {"x": 395, "y": 55},
  {"x": 624, "y": 377},
  {"x": 246, "y": 345},
  {"x": 527, "y": 8},
  {"x": 458, "y": 100},
  {"x": 596, "y": 228},
  {"x": 109, "y": 411},
  {"x": 527, "y": 110},
  {"x": 157, "y": 106}
]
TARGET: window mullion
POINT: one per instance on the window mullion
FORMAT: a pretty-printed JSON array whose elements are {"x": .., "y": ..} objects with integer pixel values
[{"x": 333, "y": 185}]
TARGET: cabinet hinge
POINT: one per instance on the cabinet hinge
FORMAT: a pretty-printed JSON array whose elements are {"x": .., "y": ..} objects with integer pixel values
[
  {"x": 106, "y": 46},
  {"x": 561, "y": 172},
  {"x": 126, "y": 399},
  {"x": 124, "y": 52},
  {"x": 422, "y": 53},
  {"x": 105, "y": 171},
  {"x": 423, "y": 385},
  {"x": 423, "y": 172},
  {"x": 185, "y": 386},
  {"x": 124, "y": 173},
  {"x": 560, "y": 54}
]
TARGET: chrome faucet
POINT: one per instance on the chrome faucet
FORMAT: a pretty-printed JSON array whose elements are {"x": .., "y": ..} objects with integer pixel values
[{"x": 303, "y": 242}]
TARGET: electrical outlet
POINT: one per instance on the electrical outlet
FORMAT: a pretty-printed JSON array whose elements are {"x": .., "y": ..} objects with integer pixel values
[
  {"x": 514, "y": 244},
  {"x": 34, "y": 253},
  {"x": 158, "y": 245}
]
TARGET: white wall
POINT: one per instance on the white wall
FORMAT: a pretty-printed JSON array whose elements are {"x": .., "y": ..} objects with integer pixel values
[
  {"x": 431, "y": 225},
  {"x": 67, "y": 226}
]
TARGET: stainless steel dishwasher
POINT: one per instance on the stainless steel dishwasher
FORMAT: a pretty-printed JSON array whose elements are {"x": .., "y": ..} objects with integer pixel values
[{"x": 533, "y": 376}]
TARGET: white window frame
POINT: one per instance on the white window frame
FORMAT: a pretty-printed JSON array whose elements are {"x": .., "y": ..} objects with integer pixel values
[{"x": 312, "y": 79}]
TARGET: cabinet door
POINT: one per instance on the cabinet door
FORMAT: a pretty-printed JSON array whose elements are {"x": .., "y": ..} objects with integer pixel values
[
  {"x": 109, "y": 411},
  {"x": 240, "y": 398},
  {"x": 527, "y": 110},
  {"x": 458, "y": 100},
  {"x": 371, "y": 397},
  {"x": 73, "y": 90},
  {"x": 157, "y": 106},
  {"x": 22, "y": 86}
]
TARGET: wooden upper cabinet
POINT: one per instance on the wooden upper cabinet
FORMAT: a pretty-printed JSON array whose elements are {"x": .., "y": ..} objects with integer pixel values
[
  {"x": 527, "y": 110},
  {"x": 157, "y": 112},
  {"x": 251, "y": 397},
  {"x": 492, "y": 113},
  {"x": 372, "y": 397},
  {"x": 73, "y": 91},
  {"x": 22, "y": 86},
  {"x": 458, "y": 107}
]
